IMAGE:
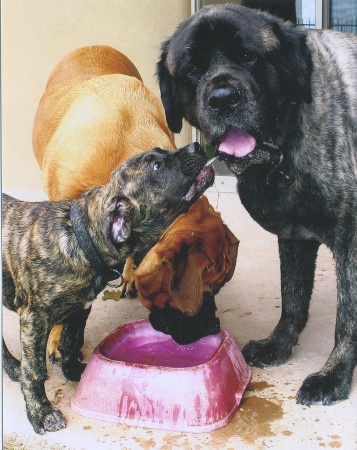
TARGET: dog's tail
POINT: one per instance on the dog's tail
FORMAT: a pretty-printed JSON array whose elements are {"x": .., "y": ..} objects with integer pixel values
[{"x": 12, "y": 365}]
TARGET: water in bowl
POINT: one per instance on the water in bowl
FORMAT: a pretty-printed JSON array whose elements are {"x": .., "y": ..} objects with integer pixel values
[{"x": 149, "y": 347}]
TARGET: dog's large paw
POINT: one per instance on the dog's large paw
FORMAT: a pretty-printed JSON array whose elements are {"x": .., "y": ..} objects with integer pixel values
[
  {"x": 324, "y": 389},
  {"x": 267, "y": 352},
  {"x": 46, "y": 418},
  {"x": 72, "y": 370}
]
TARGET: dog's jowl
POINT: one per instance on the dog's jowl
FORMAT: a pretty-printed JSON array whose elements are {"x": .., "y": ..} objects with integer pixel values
[
  {"x": 279, "y": 103},
  {"x": 57, "y": 256}
]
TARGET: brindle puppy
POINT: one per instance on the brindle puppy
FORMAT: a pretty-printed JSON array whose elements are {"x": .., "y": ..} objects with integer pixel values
[
  {"x": 280, "y": 105},
  {"x": 57, "y": 256}
]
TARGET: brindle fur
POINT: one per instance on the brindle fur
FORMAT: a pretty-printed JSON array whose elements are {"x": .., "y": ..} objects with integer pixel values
[
  {"x": 296, "y": 93},
  {"x": 46, "y": 278}
]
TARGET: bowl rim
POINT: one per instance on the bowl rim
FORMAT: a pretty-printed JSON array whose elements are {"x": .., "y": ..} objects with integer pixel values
[{"x": 98, "y": 350}]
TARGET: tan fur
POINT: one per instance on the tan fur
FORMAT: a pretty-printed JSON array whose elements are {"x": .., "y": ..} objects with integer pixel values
[
  {"x": 94, "y": 114},
  {"x": 196, "y": 254},
  {"x": 53, "y": 341},
  {"x": 74, "y": 69}
]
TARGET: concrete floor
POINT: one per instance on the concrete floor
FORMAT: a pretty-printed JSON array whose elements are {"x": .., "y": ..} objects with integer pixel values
[{"x": 249, "y": 308}]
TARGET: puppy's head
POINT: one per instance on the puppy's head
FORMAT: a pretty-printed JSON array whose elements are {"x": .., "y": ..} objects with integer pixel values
[
  {"x": 232, "y": 72},
  {"x": 191, "y": 261},
  {"x": 146, "y": 194}
]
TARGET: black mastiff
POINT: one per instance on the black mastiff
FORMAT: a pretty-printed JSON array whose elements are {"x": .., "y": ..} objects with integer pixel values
[
  {"x": 279, "y": 103},
  {"x": 57, "y": 256}
]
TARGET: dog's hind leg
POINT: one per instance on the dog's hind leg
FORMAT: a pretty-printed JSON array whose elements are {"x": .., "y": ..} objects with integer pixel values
[
  {"x": 297, "y": 265},
  {"x": 333, "y": 382},
  {"x": 12, "y": 365},
  {"x": 71, "y": 342}
]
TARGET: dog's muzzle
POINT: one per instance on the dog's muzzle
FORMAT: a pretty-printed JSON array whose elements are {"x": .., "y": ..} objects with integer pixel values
[{"x": 185, "y": 330}]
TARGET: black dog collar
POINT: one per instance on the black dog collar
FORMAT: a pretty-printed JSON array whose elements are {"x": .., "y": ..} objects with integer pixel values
[{"x": 80, "y": 223}]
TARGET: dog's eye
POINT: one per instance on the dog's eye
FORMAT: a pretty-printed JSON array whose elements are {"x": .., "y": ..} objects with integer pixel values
[
  {"x": 156, "y": 165},
  {"x": 193, "y": 74},
  {"x": 248, "y": 59}
]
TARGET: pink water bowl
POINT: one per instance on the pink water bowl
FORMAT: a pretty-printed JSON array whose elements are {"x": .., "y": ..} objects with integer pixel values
[{"x": 142, "y": 377}]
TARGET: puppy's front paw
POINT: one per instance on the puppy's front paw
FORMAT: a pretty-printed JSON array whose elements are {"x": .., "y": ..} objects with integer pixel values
[
  {"x": 324, "y": 389},
  {"x": 55, "y": 357},
  {"x": 267, "y": 352},
  {"x": 54, "y": 354},
  {"x": 45, "y": 418},
  {"x": 72, "y": 370},
  {"x": 128, "y": 285}
]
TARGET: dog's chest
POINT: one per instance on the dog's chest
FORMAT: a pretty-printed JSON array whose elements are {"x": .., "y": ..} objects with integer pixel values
[
  {"x": 90, "y": 291},
  {"x": 282, "y": 208},
  {"x": 83, "y": 298},
  {"x": 88, "y": 303}
]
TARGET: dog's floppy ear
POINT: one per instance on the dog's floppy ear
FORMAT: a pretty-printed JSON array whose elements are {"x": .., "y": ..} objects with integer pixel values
[
  {"x": 231, "y": 259},
  {"x": 174, "y": 278},
  {"x": 122, "y": 219},
  {"x": 173, "y": 111},
  {"x": 186, "y": 287},
  {"x": 152, "y": 281},
  {"x": 294, "y": 60},
  {"x": 221, "y": 255}
]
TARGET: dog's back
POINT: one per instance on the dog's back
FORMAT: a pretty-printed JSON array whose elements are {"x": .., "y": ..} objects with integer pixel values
[
  {"x": 75, "y": 68},
  {"x": 88, "y": 62},
  {"x": 95, "y": 114}
]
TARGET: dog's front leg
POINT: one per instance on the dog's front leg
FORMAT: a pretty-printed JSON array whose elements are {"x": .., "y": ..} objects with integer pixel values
[
  {"x": 297, "y": 266},
  {"x": 34, "y": 330},
  {"x": 333, "y": 382},
  {"x": 71, "y": 342}
]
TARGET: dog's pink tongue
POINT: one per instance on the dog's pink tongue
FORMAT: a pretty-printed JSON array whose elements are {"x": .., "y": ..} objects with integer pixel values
[{"x": 237, "y": 142}]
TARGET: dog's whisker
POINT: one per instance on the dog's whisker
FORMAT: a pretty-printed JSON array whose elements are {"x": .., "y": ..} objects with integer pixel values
[
  {"x": 211, "y": 161},
  {"x": 218, "y": 194},
  {"x": 240, "y": 31}
]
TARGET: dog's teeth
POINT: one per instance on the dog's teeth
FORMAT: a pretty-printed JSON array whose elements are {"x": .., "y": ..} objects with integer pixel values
[{"x": 211, "y": 161}]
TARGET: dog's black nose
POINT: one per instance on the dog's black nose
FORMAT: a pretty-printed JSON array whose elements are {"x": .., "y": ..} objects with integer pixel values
[
  {"x": 193, "y": 159},
  {"x": 194, "y": 147},
  {"x": 224, "y": 99}
]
